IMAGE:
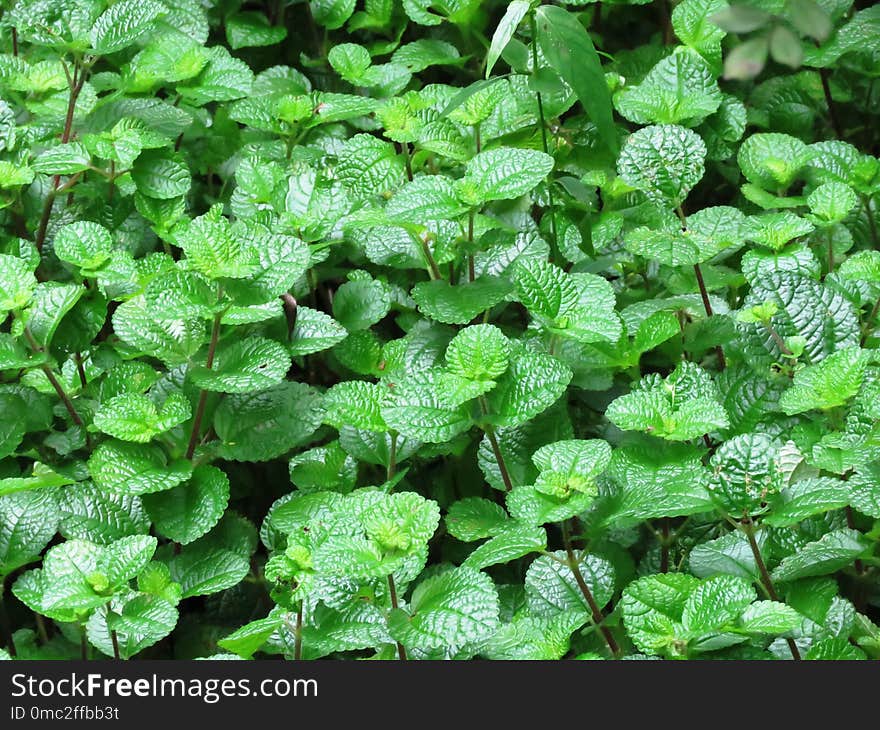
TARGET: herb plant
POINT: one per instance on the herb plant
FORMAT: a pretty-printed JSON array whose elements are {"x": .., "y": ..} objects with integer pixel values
[{"x": 439, "y": 330}]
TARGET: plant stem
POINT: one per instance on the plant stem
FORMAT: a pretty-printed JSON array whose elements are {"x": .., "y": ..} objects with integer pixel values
[
  {"x": 433, "y": 269},
  {"x": 81, "y": 371},
  {"x": 392, "y": 592},
  {"x": 83, "y": 644},
  {"x": 866, "y": 331},
  {"x": 851, "y": 524},
  {"x": 664, "y": 545},
  {"x": 59, "y": 389},
  {"x": 824, "y": 75},
  {"x": 391, "y": 469},
  {"x": 203, "y": 395},
  {"x": 704, "y": 293},
  {"x": 297, "y": 635},
  {"x": 707, "y": 305},
  {"x": 470, "y": 237},
  {"x": 872, "y": 222},
  {"x": 489, "y": 430},
  {"x": 407, "y": 160},
  {"x": 41, "y": 629},
  {"x": 533, "y": 26},
  {"x": 777, "y": 338},
  {"x": 76, "y": 85},
  {"x": 595, "y": 610},
  {"x": 4, "y": 622},
  {"x": 14, "y": 42},
  {"x": 748, "y": 528},
  {"x": 115, "y": 639}
]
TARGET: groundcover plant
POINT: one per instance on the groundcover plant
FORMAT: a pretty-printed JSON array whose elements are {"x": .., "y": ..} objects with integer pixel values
[{"x": 439, "y": 330}]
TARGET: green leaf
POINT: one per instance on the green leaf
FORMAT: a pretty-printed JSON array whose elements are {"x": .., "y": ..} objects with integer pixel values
[
  {"x": 569, "y": 50},
  {"x": 832, "y": 201},
  {"x": 652, "y": 608},
  {"x": 552, "y": 588},
  {"x": 62, "y": 159},
  {"x": 474, "y": 518},
  {"x": 243, "y": 366},
  {"x": 692, "y": 23},
  {"x": 832, "y": 552},
  {"x": 455, "y": 607},
  {"x": 361, "y": 303},
  {"x": 264, "y": 425},
  {"x": 771, "y": 160},
  {"x": 127, "y": 468},
  {"x": 135, "y": 417},
  {"x": 516, "y": 541},
  {"x": 12, "y": 430},
  {"x": 657, "y": 483},
  {"x": 715, "y": 602},
  {"x": 806, "y": 498},
  {"x": 217, "y": 250},
  {"x": 417, "y": 409},
  {"x": 356, "y": 403},
  {"x": 746, "y": 469},
  {"x": 248, "y": 639},
  {"x": 479, "y": 352},
  {"x": 203, "y": 568},
  {"x": 461, "y": 303},
  {"x": 571, "y": 466},
  {"x": 534, "y": 381},
  {"x": 123, "y": 24},
  {"x": 826, "y": 384},
  {"x": 28, "y": 521},
  {"x": 84, "y": 244},
  {"x": 17, "y": 283},
  {"x": 507, "y": 26},
  {"x": 664, "y": 162},
  {"x": 137, "y": 623},
  {"x": 314, "y": 331},
  {"x": 680, "y": 89},
  {"x": 248, "y": 30},
  {"x": 160, "y": 175},
  {"x": 729, "y": 554},
  {"x": 503, "y": 173},
  {"x": 188, "y": 511},
  {"x": 770, "y": 617}
]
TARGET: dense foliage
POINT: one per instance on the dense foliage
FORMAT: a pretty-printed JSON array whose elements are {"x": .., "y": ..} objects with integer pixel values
[{"x": 444, "y": 329}]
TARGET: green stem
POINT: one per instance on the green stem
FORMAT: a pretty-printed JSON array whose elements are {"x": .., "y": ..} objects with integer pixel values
[
  {"x": 595, "y": 610},
  {"x": 433, "y": 269},
  {"x": 470, "y": 237},
  {"x": 203, "y": 395},
  {"x": 83, "y": 643},
  {"x": 391, "y": 469},
  {"x": 407, "y": 159},
  {"x": 872, "y": 222},
  {"x": 392, "y": 592},
  {"x": 748, "y": 527}
]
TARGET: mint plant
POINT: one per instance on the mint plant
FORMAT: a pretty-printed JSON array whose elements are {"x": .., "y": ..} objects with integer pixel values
[{"x": 499, "y": 330}]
